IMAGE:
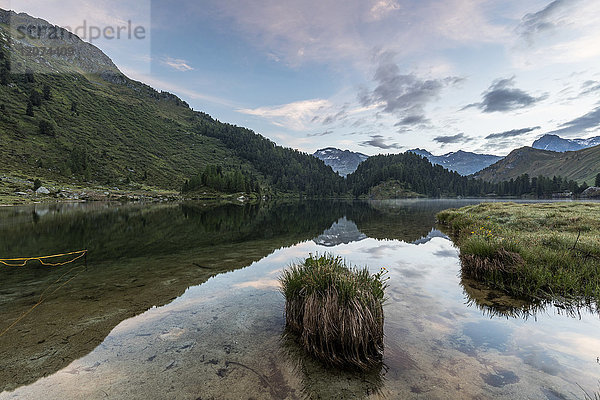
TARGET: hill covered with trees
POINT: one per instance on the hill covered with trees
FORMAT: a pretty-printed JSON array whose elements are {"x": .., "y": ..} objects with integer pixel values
[
  {"x": 284, "y": 169},
  {"x": 413, "y": 173}
]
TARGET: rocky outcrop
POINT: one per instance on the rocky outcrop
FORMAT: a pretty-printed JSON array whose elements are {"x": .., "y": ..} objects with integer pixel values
[
  {"x": 591, "y": 192},
  {"x": 39, "y": 46},
  {"x": 42, "y": 190}
]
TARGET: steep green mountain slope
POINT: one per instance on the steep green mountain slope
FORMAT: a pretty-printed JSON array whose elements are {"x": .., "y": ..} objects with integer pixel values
[
  {"x": 581, "y": 165},
  {"x": 71, "y": 115},
  {"x": 100, "y": 125}
]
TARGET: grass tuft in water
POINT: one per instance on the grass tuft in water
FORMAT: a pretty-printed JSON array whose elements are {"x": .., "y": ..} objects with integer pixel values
[{"x": 336, "y": 311}]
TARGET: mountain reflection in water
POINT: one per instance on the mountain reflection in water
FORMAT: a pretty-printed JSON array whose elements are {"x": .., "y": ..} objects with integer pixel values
[{"x": 201, "y": 331}]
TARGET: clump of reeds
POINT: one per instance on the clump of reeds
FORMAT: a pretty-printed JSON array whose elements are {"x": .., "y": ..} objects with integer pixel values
[
  {"x": 482, "y": 260},
  {"x": 487, "y": 256},
  {"x": 336, "y": 311}
]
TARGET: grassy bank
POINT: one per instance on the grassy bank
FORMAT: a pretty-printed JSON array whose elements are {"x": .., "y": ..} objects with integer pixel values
[{"x": 543, "y": 251}]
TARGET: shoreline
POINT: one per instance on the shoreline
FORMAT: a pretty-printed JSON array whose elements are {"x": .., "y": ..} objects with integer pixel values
[{"x": 170, "y": 197}]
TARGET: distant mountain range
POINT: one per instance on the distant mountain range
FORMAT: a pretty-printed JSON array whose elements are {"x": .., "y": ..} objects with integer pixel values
[
  {"x": 556, "y": 143},
  {"x": 574, "y": 159},
  {"x": 463, "y": 162},
  {"x": 344, "y": 162},
  {"x": 581, "y": 165}
]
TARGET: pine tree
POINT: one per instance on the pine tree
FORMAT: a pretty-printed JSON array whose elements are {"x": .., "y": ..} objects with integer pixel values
[
  {"x": 35, "y": 98},
  {"x": 47, "y": 93},
  {"x": 4, "y": 72},
  {"x": 597, "y": 183},
  {"x": 47, "y": 128},
  {"x": 29, "y": 111},
  {"x": 29, "y": 77}
]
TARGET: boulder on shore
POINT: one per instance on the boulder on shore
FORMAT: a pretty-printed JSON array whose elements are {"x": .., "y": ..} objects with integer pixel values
[
  {"x": 591, "y": 192},
  {"x": 42, "y": 190}
]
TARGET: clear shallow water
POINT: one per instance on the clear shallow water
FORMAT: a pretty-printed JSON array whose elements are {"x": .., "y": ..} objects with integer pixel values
[{"x": 220, "y": 337}]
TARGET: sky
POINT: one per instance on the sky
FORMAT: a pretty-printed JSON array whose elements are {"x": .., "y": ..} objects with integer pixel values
[{"x": 373, "y": 76}]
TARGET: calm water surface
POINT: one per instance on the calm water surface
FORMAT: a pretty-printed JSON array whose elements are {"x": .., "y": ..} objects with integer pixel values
[{"x": 182, "y": 302}]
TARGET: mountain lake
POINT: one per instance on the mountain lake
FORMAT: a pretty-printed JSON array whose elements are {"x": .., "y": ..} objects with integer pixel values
[{"x": 181, "y": 301}]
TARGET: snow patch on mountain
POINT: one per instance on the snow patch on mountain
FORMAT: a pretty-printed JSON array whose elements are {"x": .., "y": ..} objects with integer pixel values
[{"x": 344, "y": 162}]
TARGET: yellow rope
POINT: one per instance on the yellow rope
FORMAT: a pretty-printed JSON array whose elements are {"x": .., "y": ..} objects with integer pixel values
[
  {"x": 8, "y": 261},
  {"x": 42, "y": 297}
]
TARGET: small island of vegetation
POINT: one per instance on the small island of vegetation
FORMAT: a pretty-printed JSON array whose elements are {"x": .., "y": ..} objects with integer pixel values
[
  {"x": 336, "y": 311},
  {"x": 540, "y": 251}
]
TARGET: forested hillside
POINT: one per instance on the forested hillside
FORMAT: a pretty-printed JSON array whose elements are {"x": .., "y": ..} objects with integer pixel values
[
  {"x": 80, "y": 119},
  {"x": 76, "y": 125},
  {"x": 285, "y": 169},
  {"x": 416, "y": 174}
]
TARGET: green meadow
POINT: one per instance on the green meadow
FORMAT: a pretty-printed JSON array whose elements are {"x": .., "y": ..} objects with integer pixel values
[{"x": 538, "y": 251}]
